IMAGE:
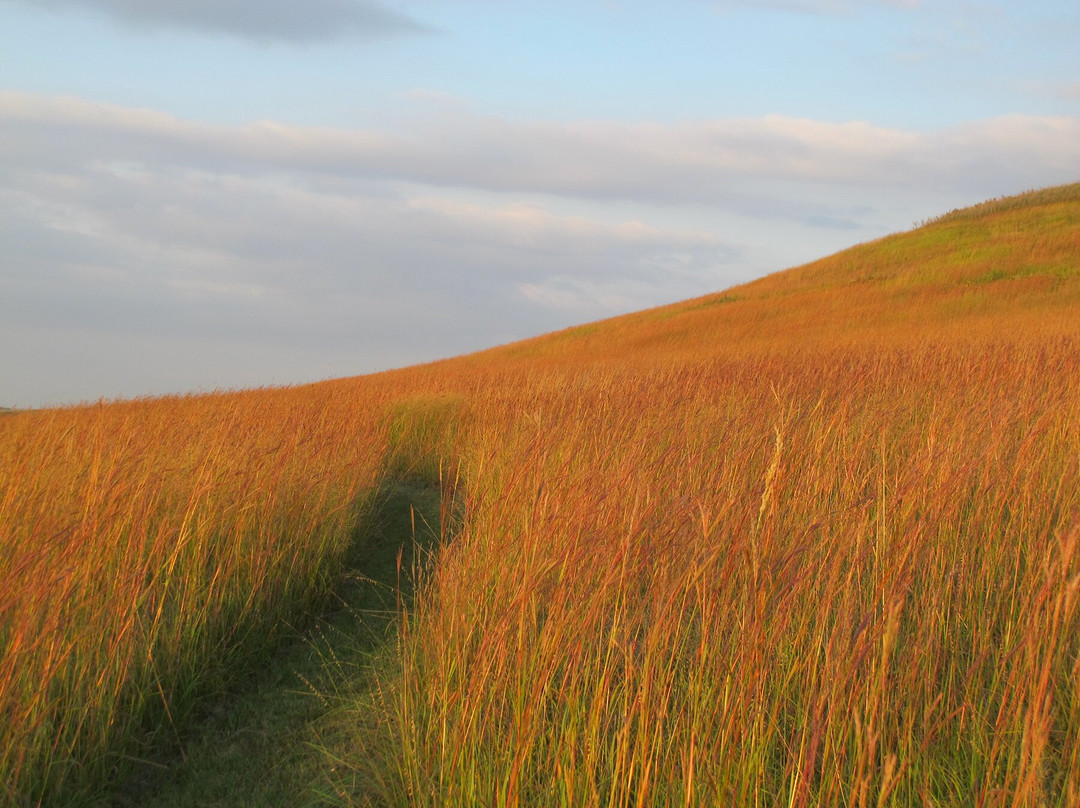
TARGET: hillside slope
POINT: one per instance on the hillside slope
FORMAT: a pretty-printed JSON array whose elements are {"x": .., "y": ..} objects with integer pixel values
[
  {"x": 814, "y": 540},
  {"x": 1005, "y": 265}
]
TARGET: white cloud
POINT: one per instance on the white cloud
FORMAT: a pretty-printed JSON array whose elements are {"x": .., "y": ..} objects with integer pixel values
[
  {"x": 104, "y": 241},
  {"x": 583, "y": 297},
  {"x": 712, "y": 162}
]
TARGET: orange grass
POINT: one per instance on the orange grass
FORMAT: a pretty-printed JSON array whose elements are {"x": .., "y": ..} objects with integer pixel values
[
  {"x": 146, "y": 547},
  {"x": 840, "y": 580},
  {"x": 809, "y": 542}
]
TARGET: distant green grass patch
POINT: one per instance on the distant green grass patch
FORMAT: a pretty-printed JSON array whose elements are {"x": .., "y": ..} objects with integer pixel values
[{"x": 1046, "y": 196}]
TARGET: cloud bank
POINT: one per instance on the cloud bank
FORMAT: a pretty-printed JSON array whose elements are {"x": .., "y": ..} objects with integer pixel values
[
  {"x": 191, "y": 254},
  {"x": 696, "y": 162}
]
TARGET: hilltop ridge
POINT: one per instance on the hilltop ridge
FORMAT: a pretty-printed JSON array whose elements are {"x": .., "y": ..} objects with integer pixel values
[{"x": 1008, "y": 262}]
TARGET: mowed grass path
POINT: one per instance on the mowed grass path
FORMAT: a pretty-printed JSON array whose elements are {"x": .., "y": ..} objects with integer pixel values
[{"x": 262, "y": 742}]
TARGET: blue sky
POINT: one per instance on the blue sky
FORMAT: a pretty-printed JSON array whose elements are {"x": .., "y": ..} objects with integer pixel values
[{"x": 226, "y": 193}]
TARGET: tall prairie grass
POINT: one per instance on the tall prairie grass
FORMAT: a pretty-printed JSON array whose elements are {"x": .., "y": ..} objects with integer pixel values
[
  {"x": 842, "y": 579},
  {"x": 813, "y": 542},
  {"x": 148, "y": 547},
  {"x": 810, "y": 542}
]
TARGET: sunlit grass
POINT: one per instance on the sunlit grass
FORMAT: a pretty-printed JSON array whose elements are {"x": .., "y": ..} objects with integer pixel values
[
  {"x": 839, "y": 580},
  {"x": 148, "y": 548}
]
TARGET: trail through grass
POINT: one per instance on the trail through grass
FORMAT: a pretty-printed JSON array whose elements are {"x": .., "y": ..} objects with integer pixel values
[{"x": 259, "y": 744}]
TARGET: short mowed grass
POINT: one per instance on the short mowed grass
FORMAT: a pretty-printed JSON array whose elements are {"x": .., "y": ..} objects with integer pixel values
[
  {"x": 263, "y": 741},
  {"x": 817, "y": 545}
]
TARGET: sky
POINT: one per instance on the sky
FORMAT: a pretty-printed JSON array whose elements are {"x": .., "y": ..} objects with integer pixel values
[{"x": 218, "y": 194}]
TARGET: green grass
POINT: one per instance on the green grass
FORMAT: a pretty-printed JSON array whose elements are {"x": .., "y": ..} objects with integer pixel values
[{"x": 1043, "y": 196}]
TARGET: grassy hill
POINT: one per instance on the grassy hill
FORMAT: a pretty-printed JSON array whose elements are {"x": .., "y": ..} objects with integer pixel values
[
  {"x": 1006, "y": 263},
  {"x": 812, "y": 540}
]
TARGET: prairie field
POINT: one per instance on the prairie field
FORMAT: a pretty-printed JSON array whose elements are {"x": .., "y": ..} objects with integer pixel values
[{"x": 813, "y": 540}]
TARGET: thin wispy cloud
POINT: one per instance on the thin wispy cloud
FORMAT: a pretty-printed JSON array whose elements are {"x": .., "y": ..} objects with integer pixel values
[
  {"x": 1068, "y": 90},
  {"x": 256, "y": 20},
  {"x": 695, "y": 162},
  {"x": 133, "y": 222},
  {"x": 824, "y": 7}
]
